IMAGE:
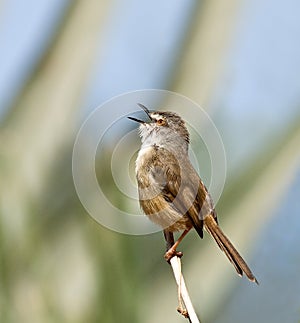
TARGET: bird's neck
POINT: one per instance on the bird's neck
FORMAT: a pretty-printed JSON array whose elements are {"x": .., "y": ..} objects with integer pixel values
[{"x": 170, "y": 142}]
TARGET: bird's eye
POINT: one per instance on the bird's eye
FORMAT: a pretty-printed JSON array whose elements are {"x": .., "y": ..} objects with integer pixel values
[{"x": 160, "y": 122}]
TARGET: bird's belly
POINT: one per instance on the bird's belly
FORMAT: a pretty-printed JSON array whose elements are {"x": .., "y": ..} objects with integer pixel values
[
  {"x": 157, "y": 208},
  {"x": 183, "y": 224},
  {"x": 168, "y": 219}
]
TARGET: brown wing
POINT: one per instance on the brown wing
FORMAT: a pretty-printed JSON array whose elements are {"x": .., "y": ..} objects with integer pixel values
[
  {"x": 171, "y": 183},
  {"x": 182, "y": 187}
]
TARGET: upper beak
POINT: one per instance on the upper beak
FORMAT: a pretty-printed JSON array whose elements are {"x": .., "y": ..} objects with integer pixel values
[{"x": 146, "y": 111}]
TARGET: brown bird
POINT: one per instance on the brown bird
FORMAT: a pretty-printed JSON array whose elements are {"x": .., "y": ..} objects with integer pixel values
[{"x": 171, "y": 192}]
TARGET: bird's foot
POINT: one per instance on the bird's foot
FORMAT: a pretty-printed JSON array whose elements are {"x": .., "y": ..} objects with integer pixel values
[
  {"x": 172, "y": 253},
  {"x": 183, "y": 312}
]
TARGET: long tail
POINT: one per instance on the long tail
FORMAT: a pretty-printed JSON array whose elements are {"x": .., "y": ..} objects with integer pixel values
[{"x": 225, "y": 245}]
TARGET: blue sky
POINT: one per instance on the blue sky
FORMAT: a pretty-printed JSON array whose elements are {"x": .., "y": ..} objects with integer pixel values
[
  {"x": 265, "y": 58},
  {"x": 140, "y": 49},
  {"x": 259, "y": 92},
  {"x": 25, "y": 31},
  {"x": 140, "y": 52}
]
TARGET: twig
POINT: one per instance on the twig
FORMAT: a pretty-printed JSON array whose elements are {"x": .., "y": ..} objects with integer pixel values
[{"x": 183, "y": 294}]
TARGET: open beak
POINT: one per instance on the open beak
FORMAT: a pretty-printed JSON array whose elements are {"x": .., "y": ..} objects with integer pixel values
[{"x": 145, "y": 110}]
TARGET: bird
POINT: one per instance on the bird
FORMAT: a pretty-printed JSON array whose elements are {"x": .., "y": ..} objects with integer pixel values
[{"x": 171, "y": 193}]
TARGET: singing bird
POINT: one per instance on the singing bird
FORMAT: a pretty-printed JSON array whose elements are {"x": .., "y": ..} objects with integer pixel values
[{"x": 171, "y": 192}]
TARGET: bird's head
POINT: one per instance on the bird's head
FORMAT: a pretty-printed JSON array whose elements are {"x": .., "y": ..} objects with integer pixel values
[{"x": 163, "y": 129}]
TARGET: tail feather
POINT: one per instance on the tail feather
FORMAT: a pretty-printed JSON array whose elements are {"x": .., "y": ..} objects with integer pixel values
[{"x": 227, "y": 247}]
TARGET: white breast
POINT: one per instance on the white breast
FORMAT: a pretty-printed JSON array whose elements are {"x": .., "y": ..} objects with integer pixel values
[{"x": 143, "y": 155}]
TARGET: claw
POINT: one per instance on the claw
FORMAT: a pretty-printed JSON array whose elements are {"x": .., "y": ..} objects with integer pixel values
[
  {"x": 183, "y": 312},
  {"x": 171, "y": 253}
]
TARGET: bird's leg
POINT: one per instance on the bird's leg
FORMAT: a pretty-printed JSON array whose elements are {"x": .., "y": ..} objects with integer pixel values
[
  {"x": 171, "y": 245},
  {"x": 169, "y": 237}
]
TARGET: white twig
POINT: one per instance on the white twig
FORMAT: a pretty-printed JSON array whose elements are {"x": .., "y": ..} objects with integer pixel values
[{"x": 182, "y": 290}]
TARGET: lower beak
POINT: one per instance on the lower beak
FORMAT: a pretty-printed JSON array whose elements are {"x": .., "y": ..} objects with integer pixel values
[{"x": 136, "y": 120}]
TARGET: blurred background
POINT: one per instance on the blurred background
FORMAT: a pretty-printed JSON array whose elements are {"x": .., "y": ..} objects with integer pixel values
[{"x": 61, "y": 59}]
